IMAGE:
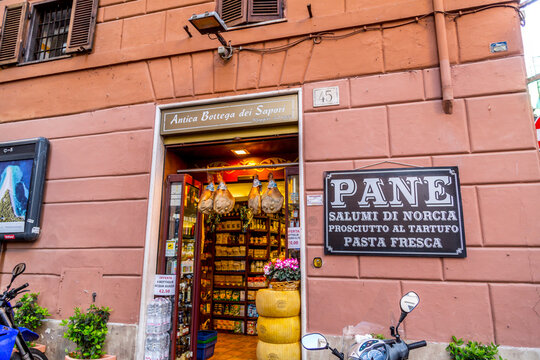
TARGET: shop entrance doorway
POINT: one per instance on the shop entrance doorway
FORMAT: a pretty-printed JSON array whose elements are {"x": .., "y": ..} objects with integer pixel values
[{"x": 217, "y": 256}]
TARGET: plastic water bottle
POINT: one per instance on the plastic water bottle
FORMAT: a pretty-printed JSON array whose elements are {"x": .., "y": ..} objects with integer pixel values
[
  {"x": 168, "y": 313},
  {"x": 164, "y": 344},
  {"x": 158, "y": 323},
  {"x": 149, "y": 349},
  {"x": 153, "y": 320},
  {"x": 150, "y": 318}
]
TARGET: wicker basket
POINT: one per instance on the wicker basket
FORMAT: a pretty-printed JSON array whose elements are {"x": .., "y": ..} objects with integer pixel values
[{"x": 284, "y": 285}]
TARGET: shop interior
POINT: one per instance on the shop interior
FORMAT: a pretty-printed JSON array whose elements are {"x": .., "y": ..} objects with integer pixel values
[{"x": 218, "y": 249}]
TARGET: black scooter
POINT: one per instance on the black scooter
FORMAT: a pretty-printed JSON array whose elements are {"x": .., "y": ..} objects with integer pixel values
[
  {"x": 373, "y": 349},
  {"x": 11, "y": 335}
]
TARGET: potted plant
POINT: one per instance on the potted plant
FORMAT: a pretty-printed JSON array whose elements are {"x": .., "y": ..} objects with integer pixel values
[
  {"x": 30, "y": 315},
  {"x": 88, "y": 331},
  {"x": 472, "y": 350},
  {"x": 283, "y": 274}
]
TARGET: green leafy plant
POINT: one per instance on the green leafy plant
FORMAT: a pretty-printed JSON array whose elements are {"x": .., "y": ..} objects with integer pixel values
[
  {"x": 30, "y": 314},
  {"x": 212, "y": 221},
  {"x": 88, "y": 331},
  {"x": 472, "y": 350},
  {"x": 377, "y": 336},
  {"x": 246, "y": 215}
]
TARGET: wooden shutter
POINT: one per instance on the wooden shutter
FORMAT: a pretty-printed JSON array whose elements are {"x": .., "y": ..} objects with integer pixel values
[
  {"x": 11, "y": 38},
  {"x": 233, "y": 12},
  {"x": 82, "y": 26},
  {"x": 264, "y": 10}
]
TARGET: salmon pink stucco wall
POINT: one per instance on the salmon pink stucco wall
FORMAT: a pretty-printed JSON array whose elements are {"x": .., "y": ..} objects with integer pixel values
[
  {"x": 494, "y": 293},
  {"x": 98, "y": 111},
  {"x": 94, "y": 210}
]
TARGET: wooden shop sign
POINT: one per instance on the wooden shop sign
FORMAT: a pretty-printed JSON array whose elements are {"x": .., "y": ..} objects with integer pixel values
[
  {"x": 246, "y": 113},
  {"x": 394, "y": 212}
]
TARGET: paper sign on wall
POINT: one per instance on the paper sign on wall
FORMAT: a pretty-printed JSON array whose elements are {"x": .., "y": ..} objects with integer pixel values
[
  {"x": 170, "y": 250},
  {"x": 164, "y": 285},
  {"x": 294, "y": 237},
  {"x": 315, "y": 200}
]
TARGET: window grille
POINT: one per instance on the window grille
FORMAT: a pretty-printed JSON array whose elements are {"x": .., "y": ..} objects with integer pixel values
[{"x": 51, "y": 26}]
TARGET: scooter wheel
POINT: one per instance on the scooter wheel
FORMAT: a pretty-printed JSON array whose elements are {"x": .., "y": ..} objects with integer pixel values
[{"x": 37, "y": 355}]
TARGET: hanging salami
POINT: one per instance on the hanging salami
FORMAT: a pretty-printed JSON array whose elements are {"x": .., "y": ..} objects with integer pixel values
[{"x": 272, "y": 200}]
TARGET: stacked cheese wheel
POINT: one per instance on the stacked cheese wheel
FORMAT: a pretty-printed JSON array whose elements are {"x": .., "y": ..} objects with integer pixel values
[{"x": 278, "y": 325}]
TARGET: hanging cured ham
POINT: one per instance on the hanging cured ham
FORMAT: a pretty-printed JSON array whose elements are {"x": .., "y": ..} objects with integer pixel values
[
  {"x": 223, "y": 199},
  {"x": 254, "y": 197},
  {"x": 272, "y": 200},
  {"x": 207, "y": 197}
]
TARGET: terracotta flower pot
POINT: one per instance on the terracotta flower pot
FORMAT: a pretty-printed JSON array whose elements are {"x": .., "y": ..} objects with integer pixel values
[
  {"x": 104, "y": 357},
  {"x": 40, "y": 347}
]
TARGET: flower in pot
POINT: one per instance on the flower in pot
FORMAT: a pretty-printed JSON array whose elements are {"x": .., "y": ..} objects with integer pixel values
[
  {"x": 30, "y": 315},
  {"x": 286, "y": 270},
  {"x": 88, "y": 331}
]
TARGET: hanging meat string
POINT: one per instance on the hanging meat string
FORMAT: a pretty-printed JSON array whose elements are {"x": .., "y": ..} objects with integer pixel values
[
  {"x": 207, "y": 197},
  {"x": 254, "y": 197},
  {"x": 272, "y": 200},
  {"x": 223, "y": 199}
]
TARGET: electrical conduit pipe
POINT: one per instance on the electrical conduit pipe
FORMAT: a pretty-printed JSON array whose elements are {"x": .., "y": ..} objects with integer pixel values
[{"x": 444, "y": 58}]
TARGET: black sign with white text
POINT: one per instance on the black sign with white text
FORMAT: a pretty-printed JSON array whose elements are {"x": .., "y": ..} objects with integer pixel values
[{"x": 394, "y": 212}]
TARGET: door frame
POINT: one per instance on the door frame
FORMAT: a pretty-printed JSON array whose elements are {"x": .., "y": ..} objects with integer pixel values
[{"x": 154, "y": 207}]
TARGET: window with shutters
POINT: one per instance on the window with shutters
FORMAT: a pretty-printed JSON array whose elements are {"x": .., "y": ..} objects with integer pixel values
[
  {"x": 245, "y": 12},
  {"x": 48, "y": 35},
  {"x": 46, "y": 30}
]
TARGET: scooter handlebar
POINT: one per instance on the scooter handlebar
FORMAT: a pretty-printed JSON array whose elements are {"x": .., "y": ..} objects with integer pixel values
[
  {"x": 13, "y": 292},
  {"x": 416, "y": 345}
]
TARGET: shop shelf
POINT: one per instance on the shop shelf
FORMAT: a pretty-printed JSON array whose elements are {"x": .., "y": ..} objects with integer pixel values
[
  {"x": 229, "y": 317},
  {"x": 241, "y": 287},
  {"x": 230, "y": 272}
]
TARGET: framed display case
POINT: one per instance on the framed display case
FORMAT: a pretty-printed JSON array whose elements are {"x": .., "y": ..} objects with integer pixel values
[
  {"x": 23, "y": 165},
  {"x": 179, "y": 255}
]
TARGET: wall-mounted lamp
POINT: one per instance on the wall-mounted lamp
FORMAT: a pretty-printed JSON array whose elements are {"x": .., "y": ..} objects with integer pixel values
[{"x": 211, "y": 23}]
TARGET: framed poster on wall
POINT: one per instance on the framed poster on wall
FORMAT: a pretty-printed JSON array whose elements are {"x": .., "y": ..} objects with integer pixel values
[
  {"x": 394, "y": 212},
  {"x": 22, "y": 176}
]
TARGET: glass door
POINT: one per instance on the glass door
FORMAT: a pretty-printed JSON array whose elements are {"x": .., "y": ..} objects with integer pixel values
[
  {"x": 292, "y": 186},
  {"x": 179, "y": 256}
]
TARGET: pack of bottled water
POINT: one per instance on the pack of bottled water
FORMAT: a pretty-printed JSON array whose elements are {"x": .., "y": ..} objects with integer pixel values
[
  {"x": 158, "y": 323},
  {"x": 157, "y": 347}
]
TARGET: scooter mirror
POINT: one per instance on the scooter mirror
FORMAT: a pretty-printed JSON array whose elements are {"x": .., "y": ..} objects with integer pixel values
[
  {"x": 18, "y": 269},
  {"x": 409, "y": 301},
  {"x": 314, "y": 341}
]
